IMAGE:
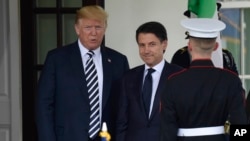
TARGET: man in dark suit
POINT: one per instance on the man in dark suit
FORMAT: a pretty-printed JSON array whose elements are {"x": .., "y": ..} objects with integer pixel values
[
  {"x": 197, "y": 101},
  {"x": 63, "y": 108},
  {"x": 139, "y": 119}
]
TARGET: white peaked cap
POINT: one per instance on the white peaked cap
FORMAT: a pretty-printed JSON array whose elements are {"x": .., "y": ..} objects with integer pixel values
[{"x": 203, "y": 27}]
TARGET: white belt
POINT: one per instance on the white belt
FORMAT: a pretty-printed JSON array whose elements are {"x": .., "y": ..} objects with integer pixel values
[{"x": 203, "y": 131}]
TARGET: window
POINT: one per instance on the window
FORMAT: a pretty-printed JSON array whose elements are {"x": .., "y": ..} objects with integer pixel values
[{"x": 235, "y": 36}]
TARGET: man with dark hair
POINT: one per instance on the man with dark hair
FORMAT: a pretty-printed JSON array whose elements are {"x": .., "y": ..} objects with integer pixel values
[{"x": 139, "y": 104}]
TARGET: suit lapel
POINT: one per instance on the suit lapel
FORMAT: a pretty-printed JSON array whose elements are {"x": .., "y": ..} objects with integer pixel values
[
  {"x": 138, "y": 84},
  {"x": 138, "y": 88},
  {"x": 77, "y": 68},
  {"x": 107, "y": 75}
]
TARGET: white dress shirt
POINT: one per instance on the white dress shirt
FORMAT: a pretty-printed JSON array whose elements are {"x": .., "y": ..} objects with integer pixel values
[{"x": 156, "y": 78}]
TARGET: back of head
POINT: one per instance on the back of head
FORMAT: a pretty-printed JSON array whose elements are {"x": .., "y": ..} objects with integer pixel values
[
  {"x": 205, "y": 44},
  {"x": 92, "y": 12},
  {"x": 155, "y": 28}
]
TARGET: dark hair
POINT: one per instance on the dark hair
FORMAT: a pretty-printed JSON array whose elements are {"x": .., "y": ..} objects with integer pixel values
[{"x": 155, "y": 28}]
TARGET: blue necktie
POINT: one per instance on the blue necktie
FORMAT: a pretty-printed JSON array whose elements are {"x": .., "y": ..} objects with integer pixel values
[
  {"x": 92, "y": 85},
  {"x": 147, "y": 90}
]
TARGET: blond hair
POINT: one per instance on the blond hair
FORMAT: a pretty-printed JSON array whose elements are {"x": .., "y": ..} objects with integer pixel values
[{"x": 92, "y": 12}]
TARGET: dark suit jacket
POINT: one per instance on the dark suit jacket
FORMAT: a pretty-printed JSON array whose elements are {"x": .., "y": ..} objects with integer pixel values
[
  {"x": 62, "y": 105},
  {"x": 248, "y": 106},
  {"x": 132, "y": 122}
]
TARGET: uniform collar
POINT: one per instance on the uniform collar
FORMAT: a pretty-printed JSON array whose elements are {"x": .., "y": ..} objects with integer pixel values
[{"x": 202, "y": 62}]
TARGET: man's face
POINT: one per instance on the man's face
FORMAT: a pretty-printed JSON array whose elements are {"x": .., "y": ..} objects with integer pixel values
[
  {"x": 151, "y": 49},
  {"x": 90, "y": 32}
]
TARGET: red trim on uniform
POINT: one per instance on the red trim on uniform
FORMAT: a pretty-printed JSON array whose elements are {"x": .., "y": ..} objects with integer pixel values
[
  {"x": 177, "y": 73},
  {"x": 230, "y": 71}
]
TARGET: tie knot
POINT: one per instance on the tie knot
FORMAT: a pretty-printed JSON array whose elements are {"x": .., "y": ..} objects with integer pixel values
[
  {"x": 150, "y": 70},
  {"x": 90, "y": 53}
]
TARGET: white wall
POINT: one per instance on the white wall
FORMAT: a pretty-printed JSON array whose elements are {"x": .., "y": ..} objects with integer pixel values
[
  {"x": 14, "y": 69},
  {"x": 4, "y": 92},
  {"x": 125, "y": 16},
  {"x": 10, "y": 85}
]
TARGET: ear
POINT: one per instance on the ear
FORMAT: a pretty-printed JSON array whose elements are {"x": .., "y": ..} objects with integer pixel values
[
  {"x": 77, "y": 29},
  {"x": 189, "y": 46},
  {"x": 164, "y": 45},
  {"x": 216, "y": 46}
]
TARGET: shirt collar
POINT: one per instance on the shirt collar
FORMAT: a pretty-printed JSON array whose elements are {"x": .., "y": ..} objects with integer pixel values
[{"x": 157, "y": 68}]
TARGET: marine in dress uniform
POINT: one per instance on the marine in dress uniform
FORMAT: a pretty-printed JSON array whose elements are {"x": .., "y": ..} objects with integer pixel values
[{"x": 196, "y": 102}]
